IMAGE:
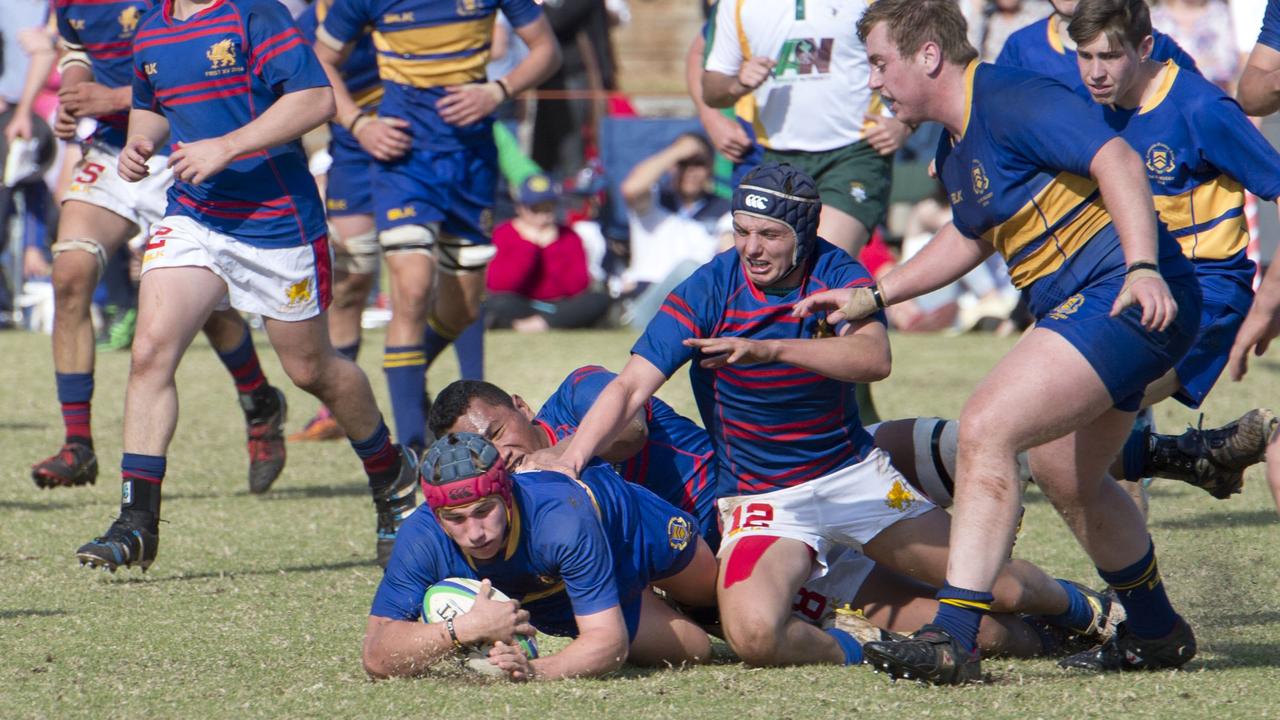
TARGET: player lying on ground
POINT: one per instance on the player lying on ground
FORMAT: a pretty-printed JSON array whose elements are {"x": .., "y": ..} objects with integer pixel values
[
  {"x": 579, "y": 556},
  {"x": 1067, "y": 204}
]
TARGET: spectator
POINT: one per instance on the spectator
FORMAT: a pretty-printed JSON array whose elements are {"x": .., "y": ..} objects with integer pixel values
[
  {"x": 539, "y": 278},
  {"x": 563, "y": 128},
  {"x": 676, "y": 226},
  {"x": 1204, "y": 29},
  {"x": 1002, "y": 18}
]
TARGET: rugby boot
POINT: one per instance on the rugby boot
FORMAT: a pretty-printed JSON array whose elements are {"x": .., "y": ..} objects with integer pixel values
[
  {"x": 127, "y": 542},
  {"x": 856, "y": 624},
  {"x": 395, "y": 503},
  {"x": 1107, "y": 615},
  {"x": 265, "y": 412},
  {"x": 320, "y": 428},
  {"x": 75, "y": 464},
  {"x": 931, "y": 655},
  {"x": 1126, "y": 651},
  {"x": 1214, "y": 460}
]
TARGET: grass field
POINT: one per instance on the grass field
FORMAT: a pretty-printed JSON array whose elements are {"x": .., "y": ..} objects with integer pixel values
[{"x": 256, "y": 606}]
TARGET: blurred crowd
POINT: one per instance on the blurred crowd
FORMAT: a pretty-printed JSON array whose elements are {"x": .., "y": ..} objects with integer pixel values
[{"x": 583, "y": 239}]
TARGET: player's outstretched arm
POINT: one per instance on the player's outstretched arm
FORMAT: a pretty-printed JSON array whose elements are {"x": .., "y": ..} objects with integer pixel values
[
  {"x": 288, "y": 118},
  {"x": 620, "y": 400},
  {"x": 1259, "y": 90},
  {"x": 601, "y": 647},
  {"x": 1122, "y": 180}
]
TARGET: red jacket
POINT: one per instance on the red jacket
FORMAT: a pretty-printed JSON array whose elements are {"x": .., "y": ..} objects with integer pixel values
[{"x": 549, "y": 273}]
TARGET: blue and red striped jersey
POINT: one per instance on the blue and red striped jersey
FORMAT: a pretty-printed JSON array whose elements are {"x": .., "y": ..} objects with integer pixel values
[
  {"x": 772, "y": 425},
  {"x": 216, "y": 72},
  {"x": 677, "y": 463},
  {"x": 104, "y": 30}
]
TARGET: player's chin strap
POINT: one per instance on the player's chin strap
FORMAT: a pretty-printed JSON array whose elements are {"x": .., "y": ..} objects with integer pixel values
[{"x": 494, "y": 481}]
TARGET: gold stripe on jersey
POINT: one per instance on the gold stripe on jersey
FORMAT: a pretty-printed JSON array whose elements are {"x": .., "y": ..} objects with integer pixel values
[
  {"x": 1058, "y": 199},
  {"x": 1200, "y": 206},
  {"x": 969, "y": 73},
  {"x": 1162, "y": 91},
  {"x": 1055, "y": 37},
  {"x": 369, "y": 97},
  {"x": 746, "y": 108},
  {"x": 540, "y": 594},
  {"x": 397, "y": 48}
]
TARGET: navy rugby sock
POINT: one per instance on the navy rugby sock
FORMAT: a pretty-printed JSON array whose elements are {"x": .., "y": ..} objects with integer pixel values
[
  {"x": 1149, "y": 614},
  {"x": 1079, "y": 613},
  {"x": 406, "y": 371},
  {"x": 434, "y": 342},
  {"x": 140, "y": 479},
  {"x": 470, "y": 349},
  {"x": 350, "y": 352},
  {"x": 851, "y": 648},
  {"x": 960, "y": 613},
  {"x": 1135, "y": 455},
  {"x": 242, "y": 362}
]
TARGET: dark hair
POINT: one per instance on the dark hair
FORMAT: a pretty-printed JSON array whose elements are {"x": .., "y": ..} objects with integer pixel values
[
  {"x": 708, "y": 150},
  {"x": 456, "y": 397},
  {"x": 912, "y": 23},
  {"x": 1123, "y": 22}
]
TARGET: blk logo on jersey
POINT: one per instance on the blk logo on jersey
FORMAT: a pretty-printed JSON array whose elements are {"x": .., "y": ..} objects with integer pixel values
[
  {"x": 129, "y": 20},
  {"x": 149, "y": 68},
  {"x": 76, "y": 24},
  {"x": 804, "y": 57}
]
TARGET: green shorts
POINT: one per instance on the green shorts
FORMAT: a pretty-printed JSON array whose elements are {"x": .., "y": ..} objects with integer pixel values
[{"x": 854, "y": 179}]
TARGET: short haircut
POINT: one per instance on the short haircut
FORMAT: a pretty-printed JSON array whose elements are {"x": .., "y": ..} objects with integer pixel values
[
  {"x": 708, "y": 150},
  {"x": 453, "y": 401},
  {"x": 912, "y": 23},
  {"x": 1123, "y": 22}
]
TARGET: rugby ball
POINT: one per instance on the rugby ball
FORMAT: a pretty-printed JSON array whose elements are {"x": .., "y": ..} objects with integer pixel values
[{"x": 452, "y": 597}]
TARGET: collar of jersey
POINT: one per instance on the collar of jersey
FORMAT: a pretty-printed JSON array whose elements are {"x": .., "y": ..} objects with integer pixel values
[
  {"x": 168, "y": 12},
  {"x": 969, "y": 73},
  {"x": 551, "y": 434},
  {"x": 1166, "y": 84},
  {"x": 759, "y": 295},
  {"x": 1055, "y": 38}
]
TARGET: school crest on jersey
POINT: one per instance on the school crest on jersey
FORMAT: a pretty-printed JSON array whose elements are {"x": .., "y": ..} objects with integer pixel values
[
  {"x": 129, "y": 20},
  {"x": 981, "y": 183},
  {"x": 1160, "y": 159},
  {"x": 469, "y": 7},
  {"x": 679, "y": 533},
  {"x": 222, "y": 56},
  {"x": 899, "y": 497}
]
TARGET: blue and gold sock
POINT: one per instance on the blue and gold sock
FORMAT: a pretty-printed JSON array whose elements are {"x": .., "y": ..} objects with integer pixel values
[
  {"x": 960, "y": 613},
  {"x": 1079, "y": 613},
  {"x": 406, "y": 370},
  {"x": 851, "y": 648},
  {"x": 1149, "y": 614}
]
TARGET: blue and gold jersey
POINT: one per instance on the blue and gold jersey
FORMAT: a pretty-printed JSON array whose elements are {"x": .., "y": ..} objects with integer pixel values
[
  {"x": 773, "y": 425},
  {"x": 1039, "y": 47},
  {"x": 422, "y": 47},
  {"x": 677, "y": 461},
  {"x": 360, "y": 71},
  {"x": 1201, "y": 153},
  {"x": 215, "y": 72},
  {"x": 1270, "y": 33},
  {"x": 573, "y": 548},
  {"x": 1018, "y": 176},
  {"x": 104, "y": 32}
]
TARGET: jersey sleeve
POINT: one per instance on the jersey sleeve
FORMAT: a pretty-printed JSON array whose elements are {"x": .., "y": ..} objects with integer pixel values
[
  {"x": 1270, "y": 35},
  {"x": 1009, "y": 53},
  {"x": 70, "y": 38},
  {"x": 1052, "y": 127},
  {"x": 144, "y": 96},
  {"x": 1232, "y": 144},
  {"x": 520, "y": 12},
  {"x": 724, "y": 53},
  {"x": 1166, "y": 48},
  {"x": 585, "y": 385},
  {"x": 307, "y": 23},
  {"x": 417, "y": 563},
  {"x": 279, "y": 54},
  {"x": 346, "y": 21},
  {"x": 686, "y": 313},
  {"x": 581, "y": 553}
]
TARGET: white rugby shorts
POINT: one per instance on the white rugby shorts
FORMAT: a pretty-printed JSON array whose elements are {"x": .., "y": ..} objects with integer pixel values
[
  {"x": 96, "y": 181},
  {"x": 289, "y": 284},
  {"x": 817, "y": 600},
  {"x": 848, "y": 507}
]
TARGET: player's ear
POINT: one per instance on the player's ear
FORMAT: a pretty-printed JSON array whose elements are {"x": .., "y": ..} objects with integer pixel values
[
  {"x": 522, "y": 407},
  {"x": 1145, "y": 48},
  {"x": 930, "y": 56}
]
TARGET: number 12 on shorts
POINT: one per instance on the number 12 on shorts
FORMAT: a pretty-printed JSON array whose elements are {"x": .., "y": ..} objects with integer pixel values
[{"x": 751, "y": 515}]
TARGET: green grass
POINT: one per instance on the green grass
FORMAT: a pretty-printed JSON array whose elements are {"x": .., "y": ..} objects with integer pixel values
[{"x": 256, "y": 606}]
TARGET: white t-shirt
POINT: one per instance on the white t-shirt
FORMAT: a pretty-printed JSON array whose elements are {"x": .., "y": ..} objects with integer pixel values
[
  {"x": 818, "y": 95},
  {"x": 662, "y": 239}
]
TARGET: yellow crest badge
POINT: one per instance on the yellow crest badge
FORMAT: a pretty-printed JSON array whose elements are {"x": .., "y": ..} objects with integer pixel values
[
  {"x": 129, "y": 20},
  {"x": 298, "y": 293},
  {"x": 981, "y": 183},
  {"x": 1160, "y": 159},
  {"x": 679, "y": 533},
  {"x": 1068, "y": 307},
  {"x": 899, "y": 497},
  {"x": 222, "y": 53}
]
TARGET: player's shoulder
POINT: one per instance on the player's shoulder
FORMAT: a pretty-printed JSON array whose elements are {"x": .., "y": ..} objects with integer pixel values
[
  {"x": 1033, "y": 34},
  {"x": 269, "y": 9},
  {"x": 151, "y": 17}
]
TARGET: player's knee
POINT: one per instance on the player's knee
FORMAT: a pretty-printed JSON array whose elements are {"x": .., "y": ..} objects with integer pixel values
[
  {"x": 416, "y": 239},
  {"x": 754, "y": 636},
  {"x": 307, "y": 374},
  {"x": 73, "y": 247},
  {"x": 150, "y": 356},
  {"x": 355, "y": 254},
  {"x": 73, "y": 279}
]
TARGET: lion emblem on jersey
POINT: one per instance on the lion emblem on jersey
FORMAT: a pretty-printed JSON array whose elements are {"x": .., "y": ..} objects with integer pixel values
[
  {"x": 298, "y": 293},
  {"x": 129, "y": 20},
  {"x": 222, "y": 53}
]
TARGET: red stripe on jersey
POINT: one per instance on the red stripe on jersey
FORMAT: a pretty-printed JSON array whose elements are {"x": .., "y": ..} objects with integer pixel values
[
  {"x": 585, "y": 372},
  {"x": 681, "y": 319},
  {"x": 172, "y": 38},
  {"x": 161, "y": 29},
  {"x": 213, "y": 95},
  {"x": 192, "y": 87},
  {"x": 813, "y": 425},
  {"x": 809, "y": 471},
  {"x": 750, "y": 384},
  {"x": 232, "y": 204},
  {"x": 114, "y": 45},
  {"x": 265, "y": 45},
  {"x": 295, "y": 42},
  {"x": 73, "y": 3},
  {"x": 256, "y": 214}
]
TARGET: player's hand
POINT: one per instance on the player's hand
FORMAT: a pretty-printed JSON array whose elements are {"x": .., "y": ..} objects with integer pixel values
[
  {"x": 466, "y": 104},
  {"x": 34, "y": 264},
  {"x": 886, "y": 134},
  {"x": 720, "y": 351},
  {"x": 385, "y": 138},
  {"x": 1260, "y": 327},
  {"x": 549, "y": 459},
  {"x": 755, "y": 71},
  {"x": 728, "y": 137},
  {"x": 132, "y": 165},
  {"x": 491, "y": 620},
  {"x": 90, "y": 99},
  {"x": 840, "y": 304},
  {"x": 512, "y": 661},
  {"x": 64, "y": 124},
  {"x": 19, "y": 126},
  {"x": 198, "y": 161},
  {"x": 1147, "y": 290}
]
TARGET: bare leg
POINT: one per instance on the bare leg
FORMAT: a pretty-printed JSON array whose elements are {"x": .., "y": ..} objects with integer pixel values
[
  {"x": 665, "y": 637},
  {"x": 695, "y": 585},
  {"x": 843, "y": 230},
  {"x": 75, "y": 275}
]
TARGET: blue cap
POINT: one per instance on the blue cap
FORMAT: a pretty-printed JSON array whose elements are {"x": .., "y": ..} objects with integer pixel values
[
  {"x": 782, "y": 192},
  {"x": 536, "y": 189}
]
